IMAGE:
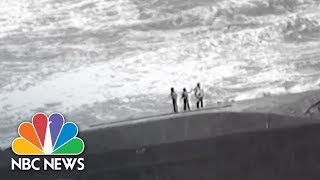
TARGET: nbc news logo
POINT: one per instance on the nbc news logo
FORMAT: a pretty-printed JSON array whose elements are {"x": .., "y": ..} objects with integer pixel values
[{"x": 51, "y": 137}]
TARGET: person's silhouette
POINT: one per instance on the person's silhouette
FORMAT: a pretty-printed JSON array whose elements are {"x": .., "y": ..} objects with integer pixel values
[
  {"x": 198, "y": 92},
  {"x": 185, "y": 97},
  {"x": 174, "y": 97}
]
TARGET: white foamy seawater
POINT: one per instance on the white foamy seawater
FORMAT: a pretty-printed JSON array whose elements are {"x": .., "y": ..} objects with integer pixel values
[{"x": 101, "y": 61}]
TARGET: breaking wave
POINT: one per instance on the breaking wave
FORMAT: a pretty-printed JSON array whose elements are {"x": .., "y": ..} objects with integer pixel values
[{"x": 117, "y": 59}]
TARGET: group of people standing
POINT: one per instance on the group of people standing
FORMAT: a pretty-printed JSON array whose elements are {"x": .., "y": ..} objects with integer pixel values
[{"x": 198, "y": 93}]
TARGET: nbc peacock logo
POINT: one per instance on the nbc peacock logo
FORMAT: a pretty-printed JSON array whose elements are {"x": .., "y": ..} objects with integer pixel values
[{"x": 48, "y": 136}]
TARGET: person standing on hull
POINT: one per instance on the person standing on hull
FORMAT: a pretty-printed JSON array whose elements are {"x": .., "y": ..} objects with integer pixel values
[
  {"x": 185, "y": 97},
  {"x": 174, "y": 98},
  {"x": 199, "y": 93}
]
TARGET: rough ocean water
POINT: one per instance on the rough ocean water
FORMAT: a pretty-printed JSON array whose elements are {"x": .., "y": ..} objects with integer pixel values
[{"x": 102, "y": 61}]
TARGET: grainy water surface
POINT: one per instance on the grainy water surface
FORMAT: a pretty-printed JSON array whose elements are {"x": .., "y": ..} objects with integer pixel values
[{"x": 99, "y": 61}]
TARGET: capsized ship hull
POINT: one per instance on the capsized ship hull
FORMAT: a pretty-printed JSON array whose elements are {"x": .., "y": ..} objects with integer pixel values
[{"x": 198, "y": 145}]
